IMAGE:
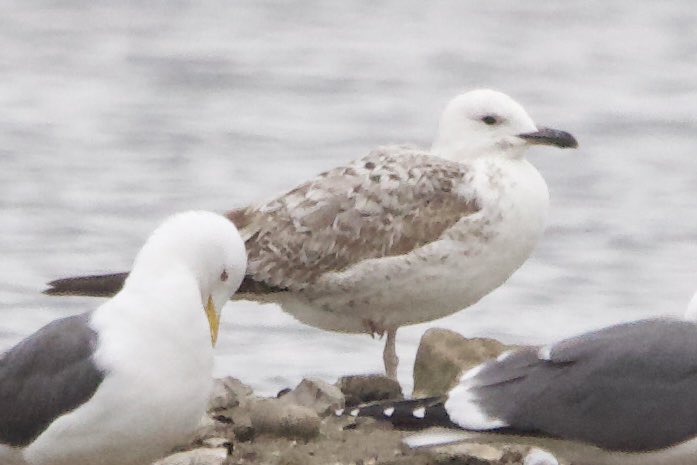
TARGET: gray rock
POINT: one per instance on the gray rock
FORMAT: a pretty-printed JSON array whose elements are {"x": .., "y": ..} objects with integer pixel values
[
  {"x": 483, "y": 452},
  {"x": 229, "y": 412},
  {"x": 360, "y": 389},
  {"x": 210, "y": 427},
  {"x": 233, "y": 423},
  {"x": 474, "y": 454},
  {"x": 217, "y": 443},
  {"x": 281, "y": 418},
  {"x": 442, "y": 357},
  {"x": 227, "y": 393},
  {"x": 200, "y": 456},
  {"x": 320, "y": 396},
  {"x": 540, "y": 457},
  {"x": 238, "y": 426},
  {"x": 244, "y": 431}
]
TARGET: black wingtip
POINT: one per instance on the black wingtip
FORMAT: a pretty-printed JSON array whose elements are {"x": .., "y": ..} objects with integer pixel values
[
  {"x": 94, "y": 286},
  {"x": 413, "y": 414}
]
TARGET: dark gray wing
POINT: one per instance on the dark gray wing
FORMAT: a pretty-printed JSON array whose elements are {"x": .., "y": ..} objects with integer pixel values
[
  {"x": 630, "y": 387},
  {"x": 45, "y": 376}
]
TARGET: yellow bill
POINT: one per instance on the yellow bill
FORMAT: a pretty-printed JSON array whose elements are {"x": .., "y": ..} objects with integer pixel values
[{"x": 213, "y": 320}]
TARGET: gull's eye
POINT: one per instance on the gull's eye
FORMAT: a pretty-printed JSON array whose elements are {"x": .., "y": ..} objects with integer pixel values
[
  {"x": 489, "y": 120},
  {"x": 223, "y": 276}
]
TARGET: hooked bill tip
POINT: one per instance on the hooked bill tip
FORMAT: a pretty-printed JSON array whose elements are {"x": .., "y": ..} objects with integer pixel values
[{"x": 548, "y": 136}]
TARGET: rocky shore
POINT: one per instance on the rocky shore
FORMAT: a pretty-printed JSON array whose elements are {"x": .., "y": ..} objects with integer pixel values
[{"x": 300, "y": 426}]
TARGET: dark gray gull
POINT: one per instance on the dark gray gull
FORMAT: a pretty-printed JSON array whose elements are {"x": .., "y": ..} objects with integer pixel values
[
  {"x": 401, "y": 236},
  {"x": 622, "y": 395},
  {"x": 124, "y": 384}
]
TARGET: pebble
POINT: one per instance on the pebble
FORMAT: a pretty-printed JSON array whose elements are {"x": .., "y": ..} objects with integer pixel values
[
  {"x": 284, "y": 419},
  {"x": 443, "y": 355},
  {"x": 227, "y": 393},
  {"x": 360, "y": 389},
  {"x": 199, "y": 456},
  {"x": 320, "y": 396},
  {"x": 540, "y": 457}
]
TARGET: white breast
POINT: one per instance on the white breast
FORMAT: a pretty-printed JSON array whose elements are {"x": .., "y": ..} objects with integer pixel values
[{"x": 157, "y": 384}]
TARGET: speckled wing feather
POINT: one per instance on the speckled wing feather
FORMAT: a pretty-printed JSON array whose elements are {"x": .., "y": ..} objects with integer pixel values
[{"x": 388, "y": 203}]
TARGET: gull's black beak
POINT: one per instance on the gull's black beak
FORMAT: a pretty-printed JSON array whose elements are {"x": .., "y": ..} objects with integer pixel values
[{"x": 547, "y": 136}]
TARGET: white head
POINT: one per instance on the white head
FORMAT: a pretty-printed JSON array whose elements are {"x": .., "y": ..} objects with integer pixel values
[
  {"x": 204, "y": 244},
  {"x": 691, "y": 313},
  {"x": 484, "y": 122}
]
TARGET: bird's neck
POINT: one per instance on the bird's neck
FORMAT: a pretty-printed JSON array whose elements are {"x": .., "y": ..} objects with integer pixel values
[
  {"x": 462, "y": 151},
  {"x": 169, "y": 303},
  {"x": 163, "y": 326}
]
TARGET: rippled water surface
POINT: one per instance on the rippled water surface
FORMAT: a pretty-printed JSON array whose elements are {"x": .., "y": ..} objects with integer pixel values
[{"x": 114, "y": 115}]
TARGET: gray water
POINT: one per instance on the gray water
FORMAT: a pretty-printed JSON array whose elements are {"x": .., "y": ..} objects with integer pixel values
[{"x": 114, "y": 115}]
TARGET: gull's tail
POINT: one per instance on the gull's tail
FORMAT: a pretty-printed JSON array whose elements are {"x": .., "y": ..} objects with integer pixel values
[
  {"x": 406, "y": 414},
  {"x": 417, "y": 414},
  {"x": 424, "y": 414},
  {"x": 105, "y": 285}
]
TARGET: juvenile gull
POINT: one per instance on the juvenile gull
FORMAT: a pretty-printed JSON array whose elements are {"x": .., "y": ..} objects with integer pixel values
[
  {"x": 401, "y": 236},
  {"x": 622, "y": 395},
  {"x": 124, "y": 384}
]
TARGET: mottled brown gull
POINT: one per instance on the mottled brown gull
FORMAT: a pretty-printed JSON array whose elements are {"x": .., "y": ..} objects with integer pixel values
[{"x": 403, "y": 235}]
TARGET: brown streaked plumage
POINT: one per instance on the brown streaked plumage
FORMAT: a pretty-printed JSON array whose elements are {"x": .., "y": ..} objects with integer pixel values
[{"x": 388, "y": 203}]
